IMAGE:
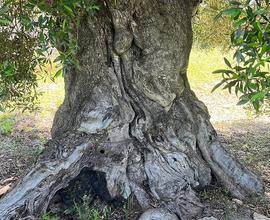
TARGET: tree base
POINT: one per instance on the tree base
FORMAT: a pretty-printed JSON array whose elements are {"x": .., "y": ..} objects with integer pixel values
[
  {"x": 129, "y": 114},
  {"x": 161, "y": 168}
]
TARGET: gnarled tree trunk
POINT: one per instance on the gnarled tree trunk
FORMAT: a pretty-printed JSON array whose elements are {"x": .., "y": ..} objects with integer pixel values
[{"x": 130, "y": 114}]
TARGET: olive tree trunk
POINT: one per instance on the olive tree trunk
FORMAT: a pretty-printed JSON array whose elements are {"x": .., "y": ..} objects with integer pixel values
[{"x": 130, "y": 114}]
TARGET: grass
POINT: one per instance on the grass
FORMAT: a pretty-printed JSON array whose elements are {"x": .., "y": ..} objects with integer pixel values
[
  {"x": 95, "y": 209},
  {"x": 7, "y": 123},
  {"x": 84, "y": 211},
  {"x": 201, "y": 65},
  {"x": 52, "y": 95},
  {"x": 51, "y": 98},
  {"x": 48, "y": 216}
]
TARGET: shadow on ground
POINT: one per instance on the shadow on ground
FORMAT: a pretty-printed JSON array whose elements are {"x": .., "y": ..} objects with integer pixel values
[{"x": 249, "y": 142}]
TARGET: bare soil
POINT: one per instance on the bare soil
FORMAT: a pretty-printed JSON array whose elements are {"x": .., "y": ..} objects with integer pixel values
[{"x": 247, "y": 137}]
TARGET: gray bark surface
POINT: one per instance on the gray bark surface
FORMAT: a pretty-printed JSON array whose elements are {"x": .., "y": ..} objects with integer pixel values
[{"x": 129, "y": 113}]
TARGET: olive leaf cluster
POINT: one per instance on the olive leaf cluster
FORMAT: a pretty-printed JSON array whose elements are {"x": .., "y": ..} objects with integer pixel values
[
  {"x": 248, "y": 74},
  {"x": 30, "y": 32}
]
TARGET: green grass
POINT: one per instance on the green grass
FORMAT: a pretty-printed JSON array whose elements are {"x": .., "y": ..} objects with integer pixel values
[
  {"x": 48, "y": 216},
  {"x": 7, "y": 123},
  {"x": 84, "y": 211},
  {"x": 98, "y": 210},
  {"x": 52, "y": 95},
  {"x": 201, "y": 65},
  {"x": 51, "y": 98}
]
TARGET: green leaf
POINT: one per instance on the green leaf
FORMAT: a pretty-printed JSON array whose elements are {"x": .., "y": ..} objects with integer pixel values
[
  {"x": 239, "y": 57},
  {"x": 58, "y": 73},
  {"x": 223, "y": 71},
  {"x": 257, "y": 26},
  {"x": 235, "y": 3},
  {"x": 227, "y": 62},
  {"x": 230, "y": 84},
  {"x": 243, "y": 102},
  {"x": 233, "y": 12},
  {"x": 240, "y": 22},
  {"x": 250, "y": 13},
  {"x": 256, "y": 105},
  {"x": 94, "y": 7},
  {"x": 257, "y": 96},
  {"x": 267, "y": 29},
  {"x": 219, "y": 84},
  {"x": 68, "y": 9},
  {"x": 260, "y": 11},
  {"x": 264, "y": 49},
  {"x": 5, "y": 21},
  {"x": 3, "y": 10},
  {"x": 218, "y": 16}
]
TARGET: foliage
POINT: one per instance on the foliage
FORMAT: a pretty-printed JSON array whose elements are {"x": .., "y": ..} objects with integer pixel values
[
  {"x": 209, "y": 33},
  {"x": 248, "y": 74},
  {"x": 47, "y": 216},
  {"x": 128, "y": 207},
  {"x": 30, "y": 31},
  {"x": 84, "y": 211}
]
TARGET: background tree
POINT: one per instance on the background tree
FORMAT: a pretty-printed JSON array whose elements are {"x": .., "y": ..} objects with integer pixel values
[
  {"x": 210, "y": 32},
  {"x": 129, "y": 114},
  {"x": 30, "y": 32}
]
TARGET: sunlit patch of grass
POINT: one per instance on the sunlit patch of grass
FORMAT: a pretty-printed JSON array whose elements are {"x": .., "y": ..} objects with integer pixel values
[
  {"x": 51, "y": 89},
  {"x": 93, "y": 208},
  {"x": 51, "y": 98},
  {"x": 7, "y": 123},
  {"x": 201, "y": 65}
]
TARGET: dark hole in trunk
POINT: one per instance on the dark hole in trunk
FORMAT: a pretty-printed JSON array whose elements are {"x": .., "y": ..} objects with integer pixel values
[{"x": 88, "y": 183}]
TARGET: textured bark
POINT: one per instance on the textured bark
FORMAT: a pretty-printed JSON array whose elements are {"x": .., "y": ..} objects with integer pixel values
[{"x": 130, "y": 114}]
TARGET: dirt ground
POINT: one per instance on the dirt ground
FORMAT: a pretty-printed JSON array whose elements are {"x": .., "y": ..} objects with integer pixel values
[{"x": 245, "y": 136}]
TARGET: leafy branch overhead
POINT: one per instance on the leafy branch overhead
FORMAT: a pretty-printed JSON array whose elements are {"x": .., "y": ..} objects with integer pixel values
[
  {"x": 30, "y": 31},
  {"x": 248, "y": 74}
]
